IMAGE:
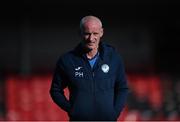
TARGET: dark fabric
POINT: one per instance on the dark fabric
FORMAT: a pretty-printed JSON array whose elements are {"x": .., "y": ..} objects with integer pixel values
[{"x": 94, "y": 94}]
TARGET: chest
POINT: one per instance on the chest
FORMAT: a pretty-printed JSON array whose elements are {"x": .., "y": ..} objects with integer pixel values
[{"x": 83, "y": 77}]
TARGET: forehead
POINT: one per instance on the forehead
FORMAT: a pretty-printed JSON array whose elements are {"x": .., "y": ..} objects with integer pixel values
[{"x": 91, "y": 25}]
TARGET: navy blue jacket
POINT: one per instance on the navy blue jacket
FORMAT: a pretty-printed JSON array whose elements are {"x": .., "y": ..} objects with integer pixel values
[{"x": 95, "y": 94}]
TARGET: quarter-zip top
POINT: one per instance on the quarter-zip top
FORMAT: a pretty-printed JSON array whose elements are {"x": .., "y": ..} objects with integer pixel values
[{"x": 95, "y": 94}]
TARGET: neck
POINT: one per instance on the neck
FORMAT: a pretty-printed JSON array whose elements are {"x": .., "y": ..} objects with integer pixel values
[{"x": 91, "y": 53}]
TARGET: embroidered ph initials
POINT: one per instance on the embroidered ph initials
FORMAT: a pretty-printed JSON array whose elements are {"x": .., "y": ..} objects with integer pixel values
[{"x": 78, "y": 74}]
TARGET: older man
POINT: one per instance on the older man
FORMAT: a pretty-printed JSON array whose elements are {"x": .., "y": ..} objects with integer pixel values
[{"x": 94, "y": 74}]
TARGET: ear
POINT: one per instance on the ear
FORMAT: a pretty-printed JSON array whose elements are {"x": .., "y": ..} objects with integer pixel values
[{"x": 102, "y": 32}]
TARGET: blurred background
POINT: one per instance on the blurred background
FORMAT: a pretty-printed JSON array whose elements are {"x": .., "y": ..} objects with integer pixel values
[{"x": 34, "y": 33}]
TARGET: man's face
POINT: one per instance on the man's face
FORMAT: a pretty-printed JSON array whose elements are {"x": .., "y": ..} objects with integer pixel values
[{"x": 91, "y": 34}]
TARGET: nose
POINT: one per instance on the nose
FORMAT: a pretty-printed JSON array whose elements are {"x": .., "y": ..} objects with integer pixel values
[{"x": 91, "y": 37}]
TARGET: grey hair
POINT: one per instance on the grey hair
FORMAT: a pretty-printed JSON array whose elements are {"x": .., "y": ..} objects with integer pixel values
[{"x": 89, "y": 18}]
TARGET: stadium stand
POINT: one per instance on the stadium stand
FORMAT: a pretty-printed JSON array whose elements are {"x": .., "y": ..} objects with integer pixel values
[{"x": 150, "y": 98}]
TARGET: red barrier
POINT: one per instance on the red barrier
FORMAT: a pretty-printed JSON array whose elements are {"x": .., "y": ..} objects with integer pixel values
[{"x": 29, "y": 99}]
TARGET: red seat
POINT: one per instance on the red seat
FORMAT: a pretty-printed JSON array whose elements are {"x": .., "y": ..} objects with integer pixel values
[{"x": 29, "y": 99}]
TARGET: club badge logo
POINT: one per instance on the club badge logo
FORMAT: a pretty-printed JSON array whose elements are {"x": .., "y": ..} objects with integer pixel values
[{"x": 105, "y": 68}]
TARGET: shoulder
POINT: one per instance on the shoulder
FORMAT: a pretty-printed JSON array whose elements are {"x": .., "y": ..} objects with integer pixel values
[
  {"x": 108, "y": 47},
  {"x": 111, "y": 50},
  {"x": 65, "y": 57},
  {"x": 115, "y": 56}
]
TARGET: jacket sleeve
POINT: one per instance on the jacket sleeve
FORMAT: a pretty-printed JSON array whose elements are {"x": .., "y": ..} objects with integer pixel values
[
  {"x": 59, "y": 83},
  {"x": 121, "y": 88}
]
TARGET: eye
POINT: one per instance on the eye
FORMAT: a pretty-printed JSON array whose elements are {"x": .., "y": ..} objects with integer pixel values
[{"x": 95, "y": 34}]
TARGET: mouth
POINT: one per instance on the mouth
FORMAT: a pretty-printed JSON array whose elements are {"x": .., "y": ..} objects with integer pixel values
[{"x": 90, "y": 44}]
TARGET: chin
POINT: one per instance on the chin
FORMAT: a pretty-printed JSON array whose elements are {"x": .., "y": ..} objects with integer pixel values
[{"x": 89, "y": 47}]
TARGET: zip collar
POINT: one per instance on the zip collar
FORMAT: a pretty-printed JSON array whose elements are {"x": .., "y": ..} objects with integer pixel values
[{"x": 79, "y": 50}]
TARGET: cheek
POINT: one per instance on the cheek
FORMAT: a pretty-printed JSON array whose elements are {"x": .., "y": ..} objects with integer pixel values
[
  {"x": 98, "y": 42},
  {"x": 98, "y": 39},
  {"x": 85, "y": 37}
]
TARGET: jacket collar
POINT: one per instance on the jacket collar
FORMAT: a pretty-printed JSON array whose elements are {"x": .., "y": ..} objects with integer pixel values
[{"x": 79, "y": 50}]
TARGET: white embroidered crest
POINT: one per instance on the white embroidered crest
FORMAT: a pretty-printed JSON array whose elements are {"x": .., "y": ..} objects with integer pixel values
[{"x": 105, "y": 68}]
